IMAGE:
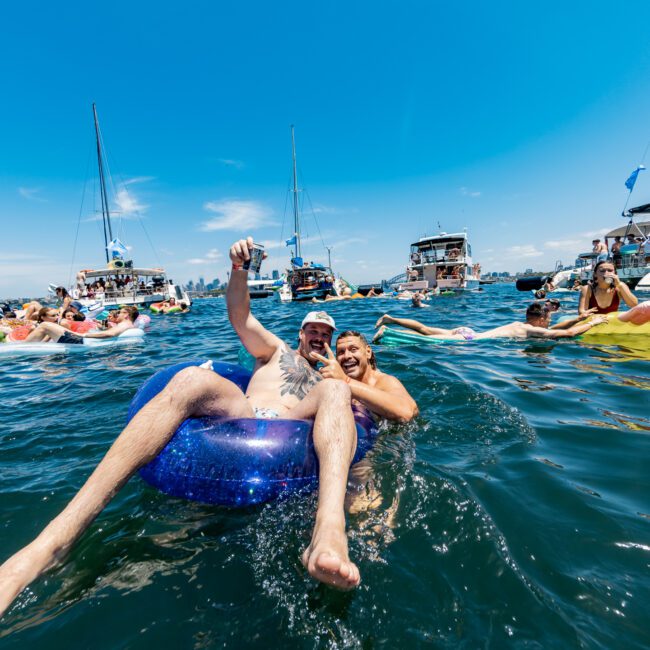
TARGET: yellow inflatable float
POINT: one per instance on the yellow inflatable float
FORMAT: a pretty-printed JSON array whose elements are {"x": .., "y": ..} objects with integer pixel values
[
  {"x": 635, "y": 322},
  {"x": 626, "y": 329}
]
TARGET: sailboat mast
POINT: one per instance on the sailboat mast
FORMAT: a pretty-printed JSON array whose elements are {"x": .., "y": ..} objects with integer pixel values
[
  {"x": 106, "y": 215},
  {"x": 296, "y": 213}
]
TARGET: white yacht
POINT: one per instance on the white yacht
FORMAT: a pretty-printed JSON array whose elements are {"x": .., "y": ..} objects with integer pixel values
[{"x": 443, "y": 260}]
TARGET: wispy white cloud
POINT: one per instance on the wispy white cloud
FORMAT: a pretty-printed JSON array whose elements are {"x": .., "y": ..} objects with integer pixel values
[
  {"x": 321, "y": 208},
  {"x": 526, "y": 250},
  {"x": 127, "y": 204},
  {"x": 237, "y": 215},
  {"x": 31, "y": 194},
  {"x": 209, "y": 258},
  {"x": 563, "y": 244},
  {"x": 473, "y": 194},
  {"x": 232, "y": 162}
]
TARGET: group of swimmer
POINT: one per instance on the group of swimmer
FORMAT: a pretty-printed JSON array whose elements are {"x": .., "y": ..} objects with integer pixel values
[
  {"x": 602, "y": 296},
  {"x": 285, "y": 383},
  {"x": 67, "y": 324}
]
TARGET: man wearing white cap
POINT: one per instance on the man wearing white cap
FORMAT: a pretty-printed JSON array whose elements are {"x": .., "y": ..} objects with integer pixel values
[{"x": 284, "y": 384}]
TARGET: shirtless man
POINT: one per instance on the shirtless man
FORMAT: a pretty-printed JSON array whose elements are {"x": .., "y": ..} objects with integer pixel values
[
  {"x": 58, "y": 334},
  {"x": 538, "y": 319},
  {"x": 284, "y": 384},
  {"x": 355, "y": 363}
]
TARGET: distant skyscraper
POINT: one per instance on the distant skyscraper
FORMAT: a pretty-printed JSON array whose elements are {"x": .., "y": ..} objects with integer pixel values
[{"x": 275, "y": 274}]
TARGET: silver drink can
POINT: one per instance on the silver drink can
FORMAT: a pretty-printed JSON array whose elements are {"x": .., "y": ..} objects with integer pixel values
[{"x": 254, "y": 264}]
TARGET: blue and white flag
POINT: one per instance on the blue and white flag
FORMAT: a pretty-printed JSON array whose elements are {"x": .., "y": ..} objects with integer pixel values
[
  {"x": 117, "y": 248},
  {"x": 629, "y": 183},
  {"x": 291, "y": 242}
]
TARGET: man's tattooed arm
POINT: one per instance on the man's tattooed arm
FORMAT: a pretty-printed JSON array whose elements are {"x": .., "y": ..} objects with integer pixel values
[{"x": 298, "y": 376}]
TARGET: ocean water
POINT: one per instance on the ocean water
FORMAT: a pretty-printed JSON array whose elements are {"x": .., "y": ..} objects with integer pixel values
[{"x": 514, "y": 512}]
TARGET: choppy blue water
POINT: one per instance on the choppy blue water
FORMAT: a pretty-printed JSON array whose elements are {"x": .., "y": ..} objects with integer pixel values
[{"x": 515, "y": 512}]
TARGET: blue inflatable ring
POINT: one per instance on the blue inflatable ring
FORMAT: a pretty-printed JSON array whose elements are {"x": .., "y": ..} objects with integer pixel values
[{"x": 236, "y": 462}]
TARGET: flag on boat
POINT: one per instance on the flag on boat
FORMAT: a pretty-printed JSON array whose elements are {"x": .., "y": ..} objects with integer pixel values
[
  {"x": 629, "y": 183},
  {"x": 117, "y": 248},
  {"x": 293, "y": 241}
]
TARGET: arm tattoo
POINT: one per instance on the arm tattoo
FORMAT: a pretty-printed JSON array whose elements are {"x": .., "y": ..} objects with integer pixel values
[{"x": 299, "y": 377}]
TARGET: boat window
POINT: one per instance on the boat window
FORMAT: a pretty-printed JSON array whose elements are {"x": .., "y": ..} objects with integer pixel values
[
  {"x": 469, "y": 250},
  {"x": 179, "y": 293}
]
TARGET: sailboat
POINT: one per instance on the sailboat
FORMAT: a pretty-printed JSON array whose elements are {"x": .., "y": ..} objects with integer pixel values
[
  {"x": 304, "y": 280},
  {"x": 120, "y": 282}
]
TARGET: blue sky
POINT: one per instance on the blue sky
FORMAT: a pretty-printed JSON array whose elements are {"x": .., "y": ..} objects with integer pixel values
[{"x": 518, "y": 120}]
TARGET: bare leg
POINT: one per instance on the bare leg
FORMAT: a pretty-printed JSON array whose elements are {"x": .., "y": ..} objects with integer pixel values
[
  {"x": 411, "y": 324},
  {"x": 326, "y": 558},
  {"x": 54, "y": 331},
  {"x": 192, "y": 392},
  {"x": 32, "y": 308}
]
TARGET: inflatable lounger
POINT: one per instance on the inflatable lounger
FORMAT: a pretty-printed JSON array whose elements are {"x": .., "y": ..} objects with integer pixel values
[
  {"x": 393, "y": 336},
  {"x": 614, "y": 332},
  {"x": 131, "y": 336}
]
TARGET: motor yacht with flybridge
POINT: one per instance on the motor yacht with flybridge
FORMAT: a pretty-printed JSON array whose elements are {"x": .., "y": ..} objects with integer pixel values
[{"x": 443, "y": 260}]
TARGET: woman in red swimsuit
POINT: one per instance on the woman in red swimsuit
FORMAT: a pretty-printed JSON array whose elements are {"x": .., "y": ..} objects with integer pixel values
[{"x": 604, "y": 293}]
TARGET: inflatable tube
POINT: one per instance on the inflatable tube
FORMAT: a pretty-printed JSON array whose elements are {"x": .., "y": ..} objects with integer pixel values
[
  {"x": 530, "y": 284},
  {"x": 131, "y": 336},
  {"x": 155, "y": 307},
  {"x": 142, "y": 321},
  {"x": 21, "y": 332},
  {"x": 83, "y": 326},
  {"x": 236, "y": 462}
]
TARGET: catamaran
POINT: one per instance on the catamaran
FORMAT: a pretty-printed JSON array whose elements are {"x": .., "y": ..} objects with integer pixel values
[
  {"x": 120, "y": 282},
  {"x": 303, "y": 280}
]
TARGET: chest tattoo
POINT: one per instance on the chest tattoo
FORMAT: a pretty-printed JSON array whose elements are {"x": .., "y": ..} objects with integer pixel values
[{"x": 297, "y": 375}]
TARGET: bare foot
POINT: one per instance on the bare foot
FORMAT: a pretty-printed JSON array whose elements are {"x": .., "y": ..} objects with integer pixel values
[
  {"x": 383, "y": 320},
  {"x": 377, "y": 337},
  {"x": 326, "y": 558}
]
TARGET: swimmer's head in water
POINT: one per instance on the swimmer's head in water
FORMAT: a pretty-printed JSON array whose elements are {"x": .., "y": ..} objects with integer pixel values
[
  {"x": 354, "y": 354},
  {"x": 538, "y": 312},
  {"x": 553, "y": 304}
]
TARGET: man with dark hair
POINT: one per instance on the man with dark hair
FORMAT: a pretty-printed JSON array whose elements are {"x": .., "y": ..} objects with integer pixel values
[
  {"x": 538, "y": 320},
  {"x": 355, "y": 363}
]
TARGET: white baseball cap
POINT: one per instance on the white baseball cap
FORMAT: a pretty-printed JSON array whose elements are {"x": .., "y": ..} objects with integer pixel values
[{"x": 318, "y": 317}]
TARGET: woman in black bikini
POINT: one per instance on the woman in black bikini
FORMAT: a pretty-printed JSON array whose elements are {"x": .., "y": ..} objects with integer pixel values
[{"x": 604, "y": 293}]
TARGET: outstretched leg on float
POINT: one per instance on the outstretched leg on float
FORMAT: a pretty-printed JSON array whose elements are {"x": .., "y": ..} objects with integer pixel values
[
  {"x": 335, "y": 440},
  {"x": 412, "y": 324},
  {"x": 192, "y": 392}
]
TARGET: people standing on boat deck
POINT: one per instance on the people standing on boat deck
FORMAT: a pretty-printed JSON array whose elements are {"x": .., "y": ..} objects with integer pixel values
[
  {"x": 538, "y": 319},
  {"x": 600, "y": 248},
  {"x": 616, "y": 252},
  {"x": 284, "y": 382},
  {"x": 605, "y": 291},
  {"x": 58, "y": 334}
]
